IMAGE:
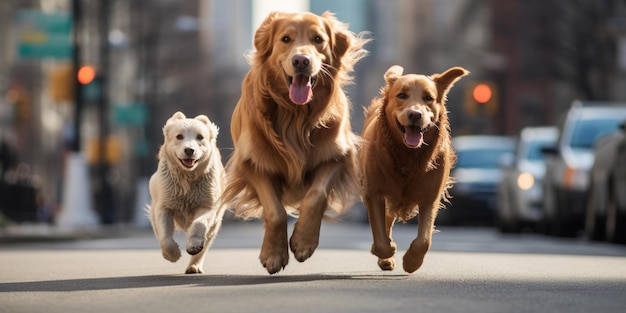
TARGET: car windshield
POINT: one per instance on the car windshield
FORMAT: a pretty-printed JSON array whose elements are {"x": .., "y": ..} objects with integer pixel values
[
  {"x": 586, "y": 132},
  {"x": 534, "y": 149},
  {"x": 481, "y": 158}
]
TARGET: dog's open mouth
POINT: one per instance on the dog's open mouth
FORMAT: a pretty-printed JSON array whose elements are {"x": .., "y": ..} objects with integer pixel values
[
  {"x": 412, "y": 134},
  {"x": 300, "y": 88},
  {"x": 189, "y": 163}
]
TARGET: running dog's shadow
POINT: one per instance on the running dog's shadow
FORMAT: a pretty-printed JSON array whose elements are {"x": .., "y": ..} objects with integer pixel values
[{"x": 129, "y": 282}]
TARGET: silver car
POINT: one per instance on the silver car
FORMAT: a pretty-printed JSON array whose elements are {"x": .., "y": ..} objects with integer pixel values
[
  {"x": 606, "y": 208},
  {"x": 520, "y": 195},
  {"x": 568, "y": 163},
  {"x": 477, "y": 174}
]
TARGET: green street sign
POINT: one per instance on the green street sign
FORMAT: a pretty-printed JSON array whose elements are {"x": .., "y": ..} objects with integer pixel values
[
  {"x": 43, "y": 35},
  {"x": 130, "y": 114}
]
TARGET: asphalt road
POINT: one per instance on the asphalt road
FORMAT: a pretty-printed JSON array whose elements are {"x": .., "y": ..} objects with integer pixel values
[{"x": 467, "y": 270}]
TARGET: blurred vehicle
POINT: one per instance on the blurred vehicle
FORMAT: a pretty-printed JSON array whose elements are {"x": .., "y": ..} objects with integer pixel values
[
  {"x": 520, "y": 196},
  {"x": 606, "y": 208},
  {"x": 477, "y": 174},
  {"x": 568, "y": 163}
]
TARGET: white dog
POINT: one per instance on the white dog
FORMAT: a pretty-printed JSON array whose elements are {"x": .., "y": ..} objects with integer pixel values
[{"x": 186, "y": 187}]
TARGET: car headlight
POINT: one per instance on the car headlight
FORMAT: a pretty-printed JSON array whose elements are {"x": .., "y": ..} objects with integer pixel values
[{"x": 525, "y": 181}]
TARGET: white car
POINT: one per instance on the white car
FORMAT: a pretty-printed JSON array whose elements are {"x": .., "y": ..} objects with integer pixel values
[{"x": 520, "y": 195}]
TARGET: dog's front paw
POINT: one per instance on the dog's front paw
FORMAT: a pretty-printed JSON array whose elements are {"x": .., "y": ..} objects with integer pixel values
[
  {"x": 411, "y": 263},
  {"x": 195, "y": 245},
  {"x": 194, "y": 269},
  {"x": 384, "y": 251},
  {"x": 414, "y": 256},
  {"x": 302, "y": 246},
  {"x": 387, "y": 264},
  {"x": 170, "y": 250},
  {"x": 274, "y": 259}
]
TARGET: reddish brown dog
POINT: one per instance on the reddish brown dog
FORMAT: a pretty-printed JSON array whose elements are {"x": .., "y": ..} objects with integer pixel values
[
  {"x": 405, "y": 160},
  {"x": 294, "y": 147}
]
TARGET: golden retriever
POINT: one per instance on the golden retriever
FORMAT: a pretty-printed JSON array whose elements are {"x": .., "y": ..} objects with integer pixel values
[
  {"x": 294, "y": 148},
  {"x": 405, "y": 160},
  {"x": 186, "y": 188}
]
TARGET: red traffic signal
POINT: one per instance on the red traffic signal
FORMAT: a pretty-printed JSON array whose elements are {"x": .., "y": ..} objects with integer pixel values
[
  {"x": 482, "y": 93},
  {"x": 481, "y": 97},
  {"x": 86, "y": 74}
]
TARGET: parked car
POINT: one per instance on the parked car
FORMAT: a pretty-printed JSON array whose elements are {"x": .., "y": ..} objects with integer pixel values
[
  {"x": 478, "y": 174},
  {"x": 606, "y": 208},
  {"x": 568, "y": 163},
  {"x": 520, "y": 196}
]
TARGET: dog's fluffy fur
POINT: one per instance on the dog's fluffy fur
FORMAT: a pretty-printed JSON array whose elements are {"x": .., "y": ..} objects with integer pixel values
[
  {"x": 294, "y": 148},
  {"x": 186, "y": 188},
  {"x": 405, "y": 160}
]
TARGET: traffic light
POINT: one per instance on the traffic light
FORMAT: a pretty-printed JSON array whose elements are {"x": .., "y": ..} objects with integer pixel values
[
  {"x": 482, "y": 93},
  {"x": 86, "y": 74},
  {"x": 481, "y": 96}
]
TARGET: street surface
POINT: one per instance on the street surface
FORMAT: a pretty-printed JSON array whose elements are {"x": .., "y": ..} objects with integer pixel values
[{"x": 467, "y": 270}]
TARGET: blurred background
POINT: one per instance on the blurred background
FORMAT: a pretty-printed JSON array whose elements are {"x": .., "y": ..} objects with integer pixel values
[{"x": 99, "y": 78}]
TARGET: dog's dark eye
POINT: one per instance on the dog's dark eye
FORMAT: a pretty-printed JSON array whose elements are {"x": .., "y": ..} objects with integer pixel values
[
  {"x": 200, "y": 137},
  {"x": 402, "y": 95},
  {"x": 428, "y": 98},
  {"x": 286, "y": 39},
  {"x": 318, "y": 39},
  {"x": 179, "y": 137}
]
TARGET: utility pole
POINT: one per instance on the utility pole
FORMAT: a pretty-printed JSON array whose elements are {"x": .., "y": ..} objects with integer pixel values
[
  {"x": 106, "y": 190},
  {"x": 77, "y": 208},
  {"x": 78, "y": 88}
]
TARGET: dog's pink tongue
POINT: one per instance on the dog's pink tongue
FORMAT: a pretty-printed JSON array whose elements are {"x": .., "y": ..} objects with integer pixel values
[
  {"x": 300, "y": 89},
  {"x": 188, "y": 162},
  {"x": 413, "y": 136}
]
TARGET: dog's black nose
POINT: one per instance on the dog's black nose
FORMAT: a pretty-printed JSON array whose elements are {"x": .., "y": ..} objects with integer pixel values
[
  {"x": 189, "y": 151},
  {"x": 415, "y": 116},
  {"x": 300, "y": 61}
]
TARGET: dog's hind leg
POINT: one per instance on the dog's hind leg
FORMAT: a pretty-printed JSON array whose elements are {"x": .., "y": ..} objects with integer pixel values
[{"x": 414, "y": 256}]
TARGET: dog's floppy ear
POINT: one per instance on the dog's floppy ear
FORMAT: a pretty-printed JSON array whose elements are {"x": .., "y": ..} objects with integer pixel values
[
  {"x": 339, "y": 34},
  {"x": 203, "y": 118},
  {"x": 446, "y": 80},
  {"x": 393, "y": 73},
  {"x": 213, "y": 129},
  {"x": 176, "y": 116},
  {"x": 263, "y": 41},
  {"x": 346, "y": 47}
]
